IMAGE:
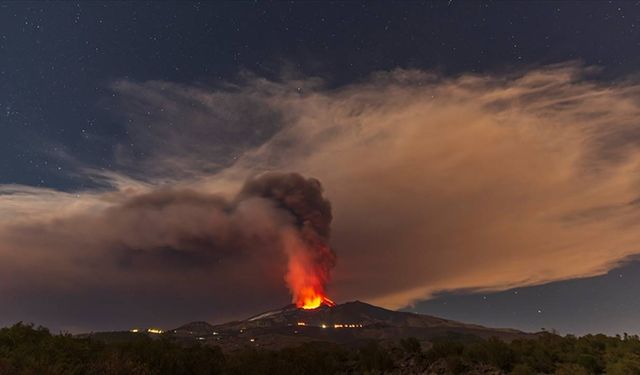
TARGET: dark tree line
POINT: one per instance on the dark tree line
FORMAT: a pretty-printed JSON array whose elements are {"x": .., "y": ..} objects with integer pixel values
[{"x": 25, "y": 349}]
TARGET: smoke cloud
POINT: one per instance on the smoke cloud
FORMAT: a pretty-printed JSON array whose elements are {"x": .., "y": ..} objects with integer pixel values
[
  {"x": 474, "y": 182},
  {"x": 173, "y": 240}
]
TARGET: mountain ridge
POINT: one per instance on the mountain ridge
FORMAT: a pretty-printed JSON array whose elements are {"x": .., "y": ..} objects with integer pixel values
[{"x": 348, "y": 323}]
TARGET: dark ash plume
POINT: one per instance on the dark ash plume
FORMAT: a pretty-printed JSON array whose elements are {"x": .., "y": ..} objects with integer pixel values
[{"x": 311, "y": 260}]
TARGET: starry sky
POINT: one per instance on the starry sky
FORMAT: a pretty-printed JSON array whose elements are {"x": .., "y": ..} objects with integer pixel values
[{"x": 100, "y": 100}]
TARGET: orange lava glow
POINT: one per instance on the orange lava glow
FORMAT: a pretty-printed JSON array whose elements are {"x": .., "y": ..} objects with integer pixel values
[
  {"x": 306, "y": 276},
  {"x": 312, "y": 299}
]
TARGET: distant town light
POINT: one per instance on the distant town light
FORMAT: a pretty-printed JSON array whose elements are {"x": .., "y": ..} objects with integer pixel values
[{"x": 155, "y": 331}]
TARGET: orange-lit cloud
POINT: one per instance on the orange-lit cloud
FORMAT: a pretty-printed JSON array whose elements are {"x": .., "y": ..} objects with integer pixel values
[{"x": 437, "y": 183}]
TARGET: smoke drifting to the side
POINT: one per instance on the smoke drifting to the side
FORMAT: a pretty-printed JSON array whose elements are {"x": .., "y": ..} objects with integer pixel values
[
  {"x": 481, "y": 182},
  {"x": 443, "y": 183},
  {"x": 199, "y": 245}
]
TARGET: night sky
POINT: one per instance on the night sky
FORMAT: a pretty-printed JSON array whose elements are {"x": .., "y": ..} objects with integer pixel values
[{"x": 101, "y": 101}]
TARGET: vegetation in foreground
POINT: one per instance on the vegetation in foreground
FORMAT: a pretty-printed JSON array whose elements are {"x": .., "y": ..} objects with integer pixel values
[{"x": 25, "y": 349}]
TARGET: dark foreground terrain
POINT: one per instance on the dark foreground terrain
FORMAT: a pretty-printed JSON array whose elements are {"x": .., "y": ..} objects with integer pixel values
[
  {"x": 349, "y": 324},
  {"x": 28, "y": 350}
]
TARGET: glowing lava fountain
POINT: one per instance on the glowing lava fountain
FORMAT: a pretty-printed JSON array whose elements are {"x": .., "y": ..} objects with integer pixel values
[
  {"x": 310, "y": 299},
  {"x": 307, "y": 277}
]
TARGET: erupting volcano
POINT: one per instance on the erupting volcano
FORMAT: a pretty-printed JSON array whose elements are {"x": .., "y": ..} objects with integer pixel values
[{"x": 306, "y": 242}]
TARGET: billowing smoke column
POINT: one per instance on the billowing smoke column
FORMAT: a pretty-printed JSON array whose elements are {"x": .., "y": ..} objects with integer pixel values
[{"x": 307, "y": 243}]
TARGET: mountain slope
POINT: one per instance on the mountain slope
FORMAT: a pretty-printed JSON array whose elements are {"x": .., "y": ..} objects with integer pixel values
[{"x": 348, "y": 323}]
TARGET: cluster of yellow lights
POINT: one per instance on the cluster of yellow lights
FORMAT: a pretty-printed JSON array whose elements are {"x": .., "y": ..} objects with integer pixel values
[
  {"x": 347, "y": 326},
  {"x": 335, "y": 325},
  {"x": 150, "y": 330}
]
